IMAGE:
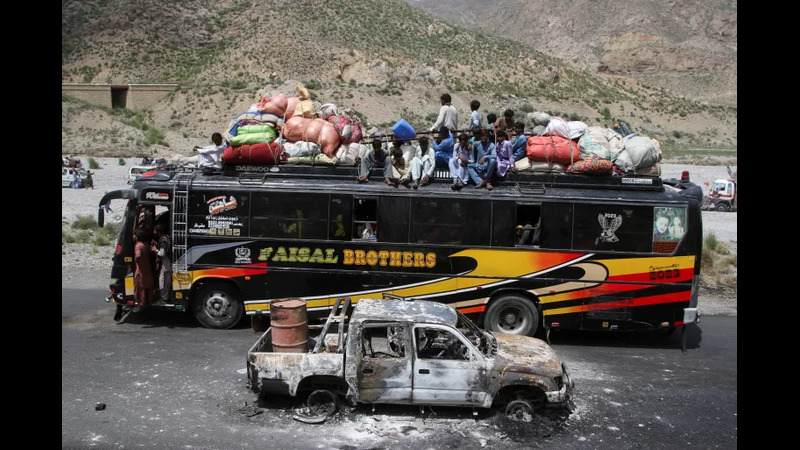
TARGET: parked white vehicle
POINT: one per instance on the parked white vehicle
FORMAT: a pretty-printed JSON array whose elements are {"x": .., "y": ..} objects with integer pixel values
[{"x": 67, "y": 176}]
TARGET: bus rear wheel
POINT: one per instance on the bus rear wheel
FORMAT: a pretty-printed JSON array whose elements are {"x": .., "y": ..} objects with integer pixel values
[
  {"x": 217, "y": 306},
  {"x": 512, "y": 314}
]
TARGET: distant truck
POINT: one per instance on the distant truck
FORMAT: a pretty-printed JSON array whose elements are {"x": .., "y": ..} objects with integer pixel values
[
  {"x": 411, "y": 352},
  {"x": 724, "y": 195}
]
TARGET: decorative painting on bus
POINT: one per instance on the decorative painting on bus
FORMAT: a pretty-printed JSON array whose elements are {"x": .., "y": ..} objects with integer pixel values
[
  {"x": 218, "y": 214},
  {"x": 668, "y": 228}
]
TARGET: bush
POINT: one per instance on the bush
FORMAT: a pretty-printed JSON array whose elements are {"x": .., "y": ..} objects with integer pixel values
[
  {"x": 121, "y": 162},
  {"x": 93, "y": 164}
]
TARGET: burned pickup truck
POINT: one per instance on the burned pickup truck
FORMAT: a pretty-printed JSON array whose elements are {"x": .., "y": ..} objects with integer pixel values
[{"x": 410, "y": 352}]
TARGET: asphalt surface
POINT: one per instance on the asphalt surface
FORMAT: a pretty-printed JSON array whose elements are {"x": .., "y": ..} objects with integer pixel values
[{"x": 159, "y": 380}]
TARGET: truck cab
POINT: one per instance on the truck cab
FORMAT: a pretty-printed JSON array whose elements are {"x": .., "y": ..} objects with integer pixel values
[
  {"x": 723, "y": 196},
  {"x": 417, "y": 353}
]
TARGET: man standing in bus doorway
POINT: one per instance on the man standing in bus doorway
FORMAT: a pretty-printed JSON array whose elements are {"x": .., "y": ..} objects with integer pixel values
[
  {"x": 143, "y": 272},
  {"x": 163, "y": 250}
]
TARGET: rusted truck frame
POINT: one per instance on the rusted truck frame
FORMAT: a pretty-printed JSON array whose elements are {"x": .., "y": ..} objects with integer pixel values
[{"x": 415, "y": 352}]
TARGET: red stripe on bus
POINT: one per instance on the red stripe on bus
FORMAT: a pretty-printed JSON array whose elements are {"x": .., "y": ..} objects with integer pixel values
[{"x": 474, "y": 309}]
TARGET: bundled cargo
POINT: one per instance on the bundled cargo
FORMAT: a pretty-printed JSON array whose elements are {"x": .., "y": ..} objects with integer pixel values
[
  {"x": 600, "y": 142},
  {"x": 552, "y": 149},
  {"x": 313, "y": 130},
  {"x": 300, "y": 148},
  {"x": 262, "y": 153},
  {"x": 254, "y": 134},
  {"x": 348, "y": 153},
  {"x": 592, "y": 166},
  {"x": 569, "y": 130},
  {"x": 529, "y": 165},
  {"x": 251, "y": 118},
  {"x": 348, "y": 129},
  {"x": 305, "y": 107},
  {"x": 277, "y": 105},
  {"x": 638, "y": 153}
]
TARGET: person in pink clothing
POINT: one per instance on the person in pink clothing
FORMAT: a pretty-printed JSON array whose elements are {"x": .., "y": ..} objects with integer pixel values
[
  {"x": 505, "y": 154},
  {"x": 143, "y": 282}
]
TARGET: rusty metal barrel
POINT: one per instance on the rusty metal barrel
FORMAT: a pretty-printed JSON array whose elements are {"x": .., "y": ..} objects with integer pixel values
[{"x": 289, "y": 322}]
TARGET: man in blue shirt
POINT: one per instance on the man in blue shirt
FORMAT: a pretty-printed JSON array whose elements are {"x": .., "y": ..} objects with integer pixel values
[
  {"x": 443, "y": 147},
  {"x": 520, "y": 143},
  {"x": 483, "y": 162}
]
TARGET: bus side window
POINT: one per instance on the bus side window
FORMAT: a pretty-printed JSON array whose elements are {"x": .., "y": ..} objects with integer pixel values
[{"x": 365, "y": 226}]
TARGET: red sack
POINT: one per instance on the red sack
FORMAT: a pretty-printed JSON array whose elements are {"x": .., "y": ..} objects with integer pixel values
[
  {"x": 261, "y": 153},
  {"x": 348, "y": 129},
  {"x": 553, "y": 149}
]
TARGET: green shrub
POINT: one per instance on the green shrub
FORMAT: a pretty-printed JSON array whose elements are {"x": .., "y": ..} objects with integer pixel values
[
  {"x": 710, "y": 241},
  {"x": 84, "y": 223},
  {"x": 121, "y": 161},
  {"x": 93, "y": 164}
]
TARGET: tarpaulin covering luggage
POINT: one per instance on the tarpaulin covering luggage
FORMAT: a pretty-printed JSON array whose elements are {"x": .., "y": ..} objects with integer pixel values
[
  {"x": 552, "y": 149},
  {"x": 263, "y": 153}
]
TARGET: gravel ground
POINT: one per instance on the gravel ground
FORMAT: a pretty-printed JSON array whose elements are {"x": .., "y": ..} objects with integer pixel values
[{"x": 85, "y": 266}]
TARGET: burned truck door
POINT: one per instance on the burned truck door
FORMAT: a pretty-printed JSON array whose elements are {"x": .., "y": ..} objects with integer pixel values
[
  {"x": 384, "y": 372},
  {"x": 447, "y": 369}
]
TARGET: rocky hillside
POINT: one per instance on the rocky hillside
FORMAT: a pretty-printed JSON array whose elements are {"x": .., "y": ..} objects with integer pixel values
[
  {"x": 685, "y": 46},
  {"x": 378, "y": 60}
]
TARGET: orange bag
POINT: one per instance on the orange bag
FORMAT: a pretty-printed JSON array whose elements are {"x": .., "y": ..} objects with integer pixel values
[
  {"x": 276, "y": 104},
  {"x": 317, "y": 130},
  {"x": 553, "y": 149}
]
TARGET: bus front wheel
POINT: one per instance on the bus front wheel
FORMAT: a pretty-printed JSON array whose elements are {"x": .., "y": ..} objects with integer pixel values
[
  {"x": 217, "y": 306},
  {"x": 512, "y": 314}
]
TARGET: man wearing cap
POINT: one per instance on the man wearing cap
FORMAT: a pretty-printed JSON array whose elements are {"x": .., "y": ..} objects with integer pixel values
[{"x": 378, "y": 156}]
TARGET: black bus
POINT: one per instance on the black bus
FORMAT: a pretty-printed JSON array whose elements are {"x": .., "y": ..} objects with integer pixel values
[{"x": 539, "y": 252}]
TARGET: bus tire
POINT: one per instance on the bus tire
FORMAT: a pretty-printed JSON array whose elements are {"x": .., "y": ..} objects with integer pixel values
[
  {"x": 512, "y": 314},
  {"x": 218, "y": 306}
]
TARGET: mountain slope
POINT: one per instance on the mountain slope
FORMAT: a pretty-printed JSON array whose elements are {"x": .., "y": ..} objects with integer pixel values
[
  {"x": 686, "y": 46},
  {"x": 379, "y": 60}
]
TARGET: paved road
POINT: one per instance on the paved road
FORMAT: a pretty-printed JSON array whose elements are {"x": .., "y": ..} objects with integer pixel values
[{"x": 168, "y": 383}]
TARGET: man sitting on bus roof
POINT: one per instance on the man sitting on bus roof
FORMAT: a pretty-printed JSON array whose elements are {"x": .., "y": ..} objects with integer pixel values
[
  {"x": 377, "y": 156},
  {"x": 210, "y": 156}
]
